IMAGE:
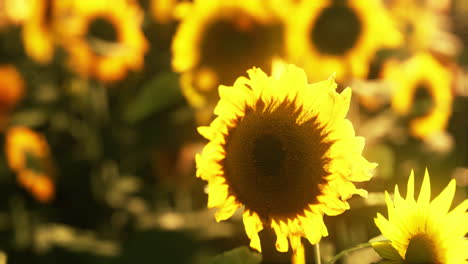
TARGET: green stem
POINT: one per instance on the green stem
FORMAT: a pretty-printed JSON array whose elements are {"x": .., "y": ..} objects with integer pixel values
[
  {"x": 347, "y": 251},
  {"x": 317, "y": 253}
]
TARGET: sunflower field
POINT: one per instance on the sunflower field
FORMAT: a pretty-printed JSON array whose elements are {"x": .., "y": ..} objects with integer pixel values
[{"x": 226, "y": 131}]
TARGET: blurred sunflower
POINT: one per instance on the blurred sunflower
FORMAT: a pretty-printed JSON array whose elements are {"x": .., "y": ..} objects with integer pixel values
[
  {"x": 40, "y": 28},
  {"x": 424, "y": 231},
  {"x": 11, "y": 91},
  {"x": 28, "y": 155},
  {"x": 217, "y": 41},
  {"x": 338, "y": 36},
  {"x": 419, "y": 24},
  {"x": 165, "y": 11},
  {"x": 13, "y": 12},
  {"x": 421, "y": 76},
  {"x": 162, "y": 10},
  {"x": 104, "y": 38},
  {"x": 283, "y": 149}
]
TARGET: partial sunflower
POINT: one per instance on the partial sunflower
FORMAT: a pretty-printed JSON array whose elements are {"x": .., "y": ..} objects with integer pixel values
[
  {"x": 40, "y": 28},
  {"x": 28, "y": 156},
  {"x": 283, "y": 150},
  {"x": 339, "y": 36},
  {"x": 104, "y": 38},
  {"x": 217, "y": 41},
  {"x": 14, "y": 12},
  {"x": 165, "y": 11},
  {"x": 11, "y": 91},
  {"x": 421, "y": 76},
  {"x": 424, "y": 231},
  {"x": 419, "y": 24}
]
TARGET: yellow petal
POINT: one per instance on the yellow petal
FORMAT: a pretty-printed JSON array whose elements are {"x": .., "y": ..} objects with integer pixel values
[
  {"x": 441, "y": 204},
  {"x": 253, "y": 225},
  {"x": 295, "y": 241},
  {"x": 425, "y": 193},
  {"x": 227, "y": 209},
  {"x": 314, "y": 227},
  {"x": 410, "y": 188},
  {"x": 206, "y": 132},
  {"x": 217, "y": 194},
  {"x": 281, "y": 238}
]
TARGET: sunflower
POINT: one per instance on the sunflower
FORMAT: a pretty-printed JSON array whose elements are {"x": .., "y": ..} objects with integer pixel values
[
  {"x": 217, "y": 41},
  {"x": 28, "y": 155},
  {"x": 104, "y": 38},
  {"x": 14, "y": 12},
  {"x": 338, "y": 36},
  {"x": 40, "y": 26},
  {"x": 423, "y": 231},
  {"x": 283, "y": 149},
  {"x": 419, "y": 23},
  {"x": 165, "y": 11},
  {"x": 11, "y": 91},
  {"x": 162, "y": 10},
  {"x": 421, "y": 74}
]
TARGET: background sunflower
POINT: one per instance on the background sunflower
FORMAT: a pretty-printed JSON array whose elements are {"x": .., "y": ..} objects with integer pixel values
[
  {"x": 118, "y": 183},
  {"x": 419, "y": 75},
  {"x": 218, "y": 41},
  {"x": 104, "y": 38},
  {"x": 339, "y": 36}
]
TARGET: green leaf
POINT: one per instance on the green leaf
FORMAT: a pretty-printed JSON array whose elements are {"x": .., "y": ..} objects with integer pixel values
[
  {"x": 156, "y": 95},
  {"x": 387, "y": 251},
  {"x": 240, "y": 255}
]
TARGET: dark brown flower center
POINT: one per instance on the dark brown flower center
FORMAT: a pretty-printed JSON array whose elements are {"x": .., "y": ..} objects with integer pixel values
[
  {"x": 103, "y": 29},
  {"x": 33, "y": 162},
  {"x": 233, "y": 44},
  {"x": 274, "y": 165},
  {"x": 336, "y": 30},
  {"x": 421, "y": 250},
  {"x": 423, "y": 101}
]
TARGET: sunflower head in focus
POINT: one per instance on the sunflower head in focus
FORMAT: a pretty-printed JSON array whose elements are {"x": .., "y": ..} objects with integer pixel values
[
  {"x": 11, "y": 91},
  {"x": 424, "y": 231},
  {"x": 339, "y": 36},
  {"x": 423, "y": 84},
  {"x": 283, "y": 150},
  {"x": 104, "y": 38},
  {"x": 217, "y": 41},
  {"x": 29, "y": 157}
]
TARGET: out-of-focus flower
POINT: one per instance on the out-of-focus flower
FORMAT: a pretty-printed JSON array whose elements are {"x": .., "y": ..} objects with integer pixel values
[
  {"x": 104, "y": 38},
  {"x": 14, "y": 12},
  {"x": 283, "y": 149},
  {"x": 11, "y": 91},
  {"x": 40, "y": 185},
  {"x": 339, "y": 36},
  {"x": 440, "y": 6},
  {"x": 421, "y": 73},
  {"x": 165, "y": 11},
  {"x": 419, "y": 23},
  {"x": 29, "y": 157},
  {"x": 424, "y": 231},
  {"x": 162, "y": 10},
  {"x": 217, "y": 41},
  {"x": 41, "y": 26},
  {"x": 3, "y": 257}
]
